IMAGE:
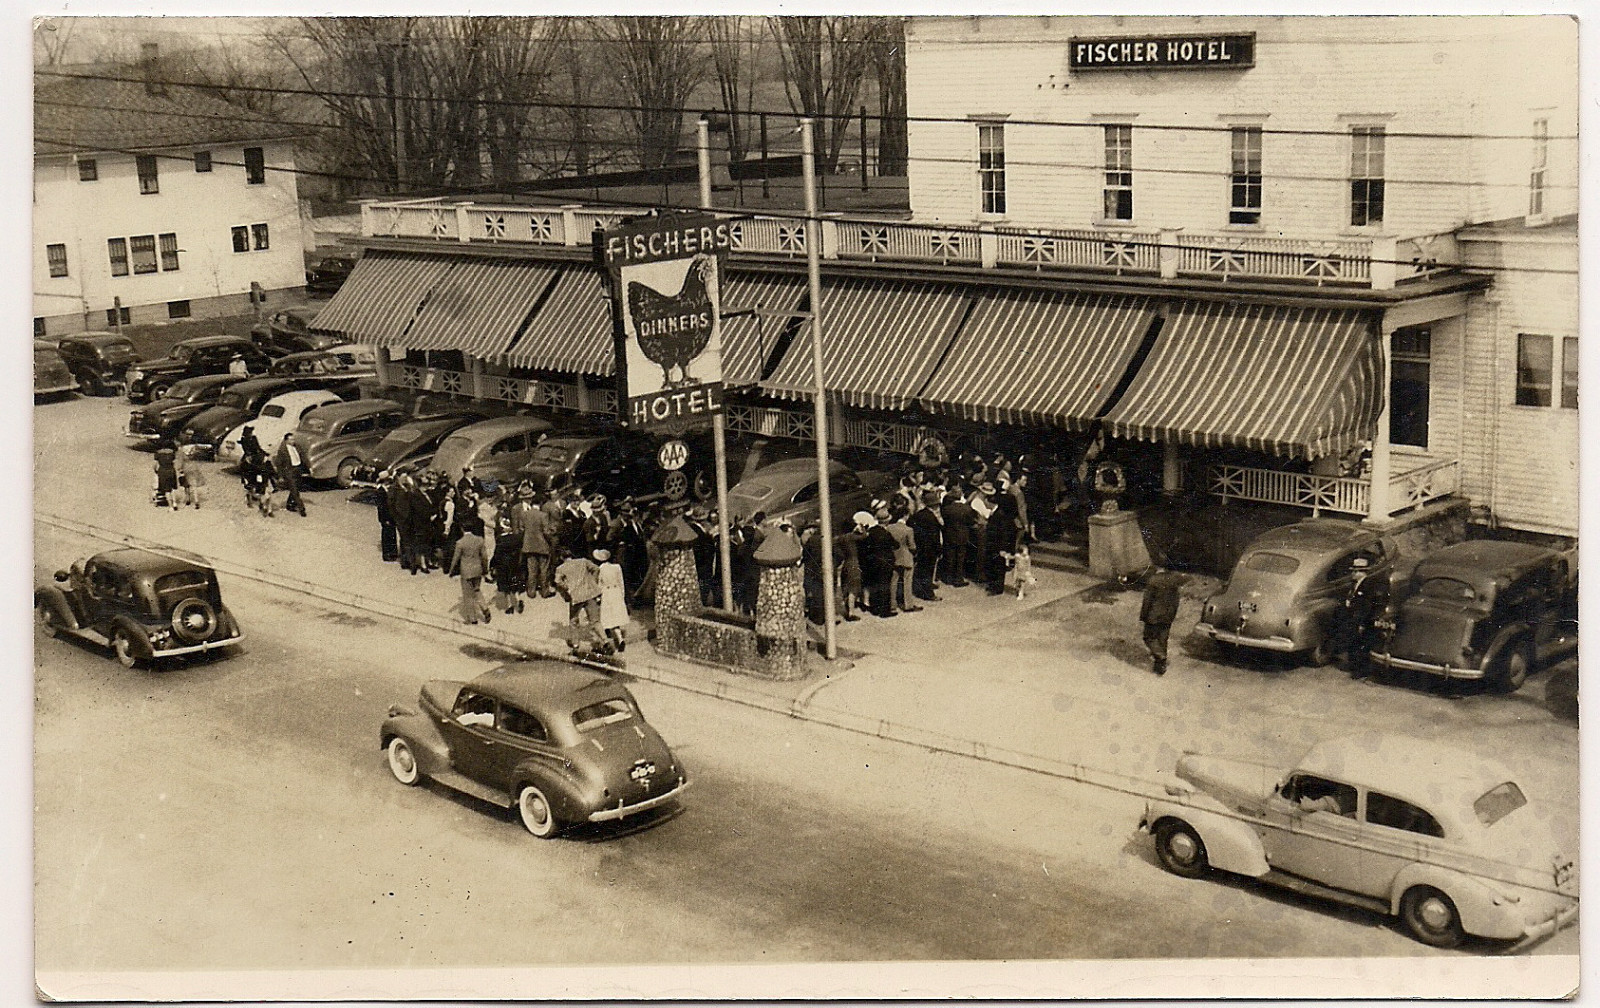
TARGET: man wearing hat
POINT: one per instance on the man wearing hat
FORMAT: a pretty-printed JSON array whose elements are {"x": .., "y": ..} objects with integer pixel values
[
  {"x": 578, "y": 581},
  {"x": 960, "y": 523},
  {"x": 536, "y": 543},
  {"x": 1157, "y": 611},
  {"x": 877, "y": 563},
  {"x": 1354, "y": 624},
  {"x": 705, "y": 554},
  {"x": 927, "y": 535},
  {"x": 981, "y": 500}
]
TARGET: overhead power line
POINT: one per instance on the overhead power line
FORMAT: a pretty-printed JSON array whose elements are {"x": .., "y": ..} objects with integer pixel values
[{"x": 783, "y": 113}]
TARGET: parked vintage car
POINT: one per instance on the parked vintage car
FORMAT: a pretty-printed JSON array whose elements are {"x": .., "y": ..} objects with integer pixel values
[
  {"x": 150, "y": 379},
  {"x": 335, "y": 438},
  {"x": 350, "y": 360},
  {"x": 162, "y": 419},
  {"x": 289, "y": 331},
  {"x": 410, "y": 444},
  {"x": 99, "y": 360},
  {"x": 282, "y": 414},
  {"x": 50, "y": 372},
  {"x": 1442, "y": 838},
  {"x": 239, "y": 403},
  {"x": 1289, "y": 587},
  {"x": 788, "y": 490},
  {"x": 496, "y": 449},
  {"x": 328, "y": 273},
  {"x": 561, "y": 743},
  {"x": 1482, "y": 609},
  {"x": 622, "y": 462},
  {"x": 146, "y": 606}
]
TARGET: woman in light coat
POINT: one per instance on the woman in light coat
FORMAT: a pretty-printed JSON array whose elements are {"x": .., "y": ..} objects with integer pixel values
[{"x": 613, "y": 602}]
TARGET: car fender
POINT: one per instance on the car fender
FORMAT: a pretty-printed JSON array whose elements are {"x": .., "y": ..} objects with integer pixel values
[
  {"x": 138, "y": 633},
  {"x": 227, "y": 626},
  {"x": 429, "y": 746},
  {"x": 1509, "y": 636},
  {"x": 1232, "y": 845},
  {"x": 1484, "y": 912},
  {"x": 56, "y": 599},
  {"x": 561, "y": 784}
]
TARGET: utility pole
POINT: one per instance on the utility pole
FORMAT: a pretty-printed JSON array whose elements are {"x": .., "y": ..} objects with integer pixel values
[
  {"x": 818, "y": 393},
  {"x": 718, "y": 427}
]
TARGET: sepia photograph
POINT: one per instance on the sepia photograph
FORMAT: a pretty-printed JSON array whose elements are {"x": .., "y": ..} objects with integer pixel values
[{"x": 578, "y": 505}]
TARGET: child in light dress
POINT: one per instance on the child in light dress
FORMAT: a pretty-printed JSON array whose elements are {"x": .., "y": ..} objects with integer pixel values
[{"x": 1020, "y": 571}]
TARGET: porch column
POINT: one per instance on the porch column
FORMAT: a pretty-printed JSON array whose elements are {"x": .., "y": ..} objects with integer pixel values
[
  {"x": 1378, "y": 487},
  {"x": 478, "y": 386},
  {"x": 1171, "y": 472}
]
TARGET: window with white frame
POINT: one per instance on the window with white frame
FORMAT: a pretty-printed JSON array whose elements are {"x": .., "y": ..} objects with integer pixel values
[
  {"x": 56, "y": 256},
  {"x": 1245, "y": 182},
  {"x": 1569, "y": 372},
  {"x": 1118, "y": 194},
  {"x": 117, "y": 251},
  {"x": 255, "y": 165},
  {"x": 1541, "y": 162},
  {"x": 88, "y": 170},
  {"x": 143, "y": 251},
  {"x": 258, "y": 234},
  {"x": 149, "y": 179},
  {"x": 241, "y": 238},
  {"x": 202, "y": 161},
  {"x": 169, "y": 252},
  {"x": 1537, "y": 368},
  {"x": 1409, "y": 381},
  {"x": 1366, "y": 175},
  {"x": 992, "y": 167}
]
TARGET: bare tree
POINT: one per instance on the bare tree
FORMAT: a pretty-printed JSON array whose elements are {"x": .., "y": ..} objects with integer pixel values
[
  {"x": 661, "y": 61},
  {"x": 887, "y": 56},
  {"x": 824, "y": 63},
  {"x": 736, "y": 57}
]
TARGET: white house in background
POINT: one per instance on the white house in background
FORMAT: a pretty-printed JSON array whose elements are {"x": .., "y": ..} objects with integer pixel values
[
  {"x": 164, "y": 200},
  {"x": 1300, "y": 147}
]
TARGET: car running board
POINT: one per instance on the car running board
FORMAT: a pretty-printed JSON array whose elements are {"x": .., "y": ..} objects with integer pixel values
[
  {"x": 88, "y": 634},
  {"x": 466, "y": 785},
  {"x": 1306, "y": 887}
]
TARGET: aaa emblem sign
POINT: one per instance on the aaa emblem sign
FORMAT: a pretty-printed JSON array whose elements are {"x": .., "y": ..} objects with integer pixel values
[{"x": 667, "y": 299}]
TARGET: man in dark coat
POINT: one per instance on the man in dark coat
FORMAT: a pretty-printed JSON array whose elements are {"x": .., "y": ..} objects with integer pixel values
[
  {"x": 633, "y": 554},
  {"x": 877, "y": 565},
  {"x": 291, "y": 465},
  {"x": 537, "y": 545},
  {"x": 927, "y": 530},
  {"x": 959, "y": 520},
  {"x": 1157, "y": 611},
  {"x": 388, "y": 538},
  {"x": 1354, "y": 625},
  {"x": 999, "y": 538},
  {"x": 705, "y": 555}
]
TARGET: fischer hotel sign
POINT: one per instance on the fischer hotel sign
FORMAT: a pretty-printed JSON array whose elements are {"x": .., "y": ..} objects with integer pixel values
[{"x": 1163, "y": 52}]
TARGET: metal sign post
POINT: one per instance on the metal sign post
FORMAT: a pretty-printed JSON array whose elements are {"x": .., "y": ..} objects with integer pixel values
[
  {"x": 819, "y": 394},
  {"x": 718, "y": 426}
]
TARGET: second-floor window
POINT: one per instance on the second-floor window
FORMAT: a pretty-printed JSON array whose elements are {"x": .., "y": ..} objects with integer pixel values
[
  {"x": 1366, "y": 175},
  {"x": 202, "y": 160},
  {"x": 56, "y": 256},
  {"x": 149, "y": 181},
  {"x": 992, "y": 167},
  {"x": 1245, "y": 182},
  {"x": 143, "y": 250},
  {"x": 1537, "y": 368},
  {"x": 88, "y": 170},
  {"x": 1119, "y": 172},
  {"x": 169, "y": 252},
  {"x": 258, "y": 232},
  {"x": 1541, "y": 162},
  {"x": 255, "y": 165},
  {"x": 241, "y": 238},
  {"x": 117, "y": 250}
]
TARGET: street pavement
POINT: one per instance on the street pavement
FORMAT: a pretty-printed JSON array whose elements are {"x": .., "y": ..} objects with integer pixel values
[{"x": 1058, "y": 682}]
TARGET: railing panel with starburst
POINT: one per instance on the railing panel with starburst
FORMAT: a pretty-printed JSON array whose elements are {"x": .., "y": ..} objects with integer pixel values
[
  {"x": 1118, "y": 251},
  {"x": 1229, "y": 256}
]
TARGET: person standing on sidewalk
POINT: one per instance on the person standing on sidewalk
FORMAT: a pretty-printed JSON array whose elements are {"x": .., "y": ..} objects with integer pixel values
[
  {"x": 1000, "y": 538},
  {"x": 927, "y": 531},
  {"x": 509, "y": 570},
  {"x": 981, "y": 500},
  {"x": 905, "y": 560},
  {"x": 470, "y": 560},
  {"x": 291, "y": 466},
  {"x": 536, "y": 546},
  {"x": 578, "y": 581},
  {"x": 613, "y": 602},
  {"x": 1157, "y": 611},
  {"x": 388, "y": 538},
  {"x": 877, "y": 564},
  {"x": 959, "y": 524},
  {"x": 192, "y": 477}
]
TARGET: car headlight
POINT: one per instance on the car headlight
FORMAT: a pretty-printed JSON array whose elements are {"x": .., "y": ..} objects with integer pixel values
[{"x": 159, "y": 637}]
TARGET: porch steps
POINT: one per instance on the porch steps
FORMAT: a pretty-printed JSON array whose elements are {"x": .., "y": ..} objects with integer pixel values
[{"x": 1062, "y": 555}]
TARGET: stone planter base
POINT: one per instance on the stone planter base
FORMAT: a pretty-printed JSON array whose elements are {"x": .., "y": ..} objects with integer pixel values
[{"x": 730, "y": 640}]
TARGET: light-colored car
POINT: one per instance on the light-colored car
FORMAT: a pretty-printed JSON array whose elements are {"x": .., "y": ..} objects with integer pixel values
[
  {"x": 1441, "y": 838},
  {"x": 495, "y": 449},
  {"x": 334, "y": 439},
  {"x": 279, "y": 416},
  {"x": 1289, "y": 587}
]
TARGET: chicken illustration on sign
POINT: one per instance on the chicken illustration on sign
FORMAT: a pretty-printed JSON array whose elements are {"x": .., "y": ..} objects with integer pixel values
[{"x": 669, "y": 337}]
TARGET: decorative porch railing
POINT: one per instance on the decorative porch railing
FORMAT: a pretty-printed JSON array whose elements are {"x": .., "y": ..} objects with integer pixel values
[
  {"x": 1376, "y": 262},
  {"x": 1341, "y": 494}
]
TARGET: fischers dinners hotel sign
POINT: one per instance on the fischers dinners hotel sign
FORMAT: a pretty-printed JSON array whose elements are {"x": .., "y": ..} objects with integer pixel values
[{"x": 1163, "y": 52}]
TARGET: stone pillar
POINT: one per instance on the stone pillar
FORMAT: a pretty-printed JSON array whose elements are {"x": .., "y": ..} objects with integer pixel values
[
  {"x": 677, "y": 583},
  {"x": 1116, "y": 546},
  {"x": 781, "y": 606}
]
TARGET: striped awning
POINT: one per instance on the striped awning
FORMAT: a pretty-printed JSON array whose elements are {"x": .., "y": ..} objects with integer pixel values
[
  {"x": 1039, "y": 357},
  {"x": 479, "y": 306},
  {"x": 571, "y": 331},
  {"x": 1295, "y": 382},
  {"x": 749, "y": 339},
  {"x": 881, "y": 341},
  {"x": 381, "y": 296}
]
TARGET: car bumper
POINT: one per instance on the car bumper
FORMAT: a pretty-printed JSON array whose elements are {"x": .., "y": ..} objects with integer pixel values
[
  {"x": 1229, "y": 637},
  {"x": 1444, "y": 671},
  {"x": 621, "y": 811},
  {"x": 52, "y": 387},
  {"x": 168, "y": 652}
]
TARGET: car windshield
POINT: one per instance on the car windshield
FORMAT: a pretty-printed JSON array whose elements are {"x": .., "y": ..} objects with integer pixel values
[
  {"x": 312, "y": 422},
  {"x": 182, "y": 353},
  {"x": 1447, "y": 589},
  {"x": 551, "y": 453},
  {"x": 603, "y": 713},
  {"x": 1271, "y": 563},
  {"x": 272, "y": 411},
  {"x": 1498, "y": 802},
  {"x": 118, "y": 349},
  {"x": 404, "y": 435}
]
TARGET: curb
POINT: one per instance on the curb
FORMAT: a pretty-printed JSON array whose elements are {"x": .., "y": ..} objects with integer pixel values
[{"x": 800, "y": 709}]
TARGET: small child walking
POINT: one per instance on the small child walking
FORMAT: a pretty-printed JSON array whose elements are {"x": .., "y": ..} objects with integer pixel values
[{"x": 1020, "y": 571}]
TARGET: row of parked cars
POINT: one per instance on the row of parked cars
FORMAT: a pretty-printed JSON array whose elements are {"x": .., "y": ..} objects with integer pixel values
[{"x": 1480, "y": 610}]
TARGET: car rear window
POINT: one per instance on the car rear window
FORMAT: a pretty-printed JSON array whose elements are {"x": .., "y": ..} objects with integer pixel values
[
  {"x": 1498, "y": 802},
  {"x": 312, "y": 422},
  {"x": 1271, "y": 563},
  {"x": 272, "y": 411},
  {"x": 1448, "y": 589},
  {"x": 170, "y": 587},
  {"x": 603, "y": 713},
  {"x": 550, "y": 453}
]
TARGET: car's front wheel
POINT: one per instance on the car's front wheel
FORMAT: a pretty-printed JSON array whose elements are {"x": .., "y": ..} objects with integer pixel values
[
  {"x": 1510, "y": 669},
  {"x": 403, "y": 762},
  {"x": 122, "y": 647},
  {"x": 1180, "y": 849},
  {"x": 347, "y": 473},
  {"x": 159, "y": 391},
  {"x": 536, "y": 813},
  {"x": 1323, "y": 652},
  {"x": 49, "y": 623},
  {"x": 1431, "y": 917}
]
